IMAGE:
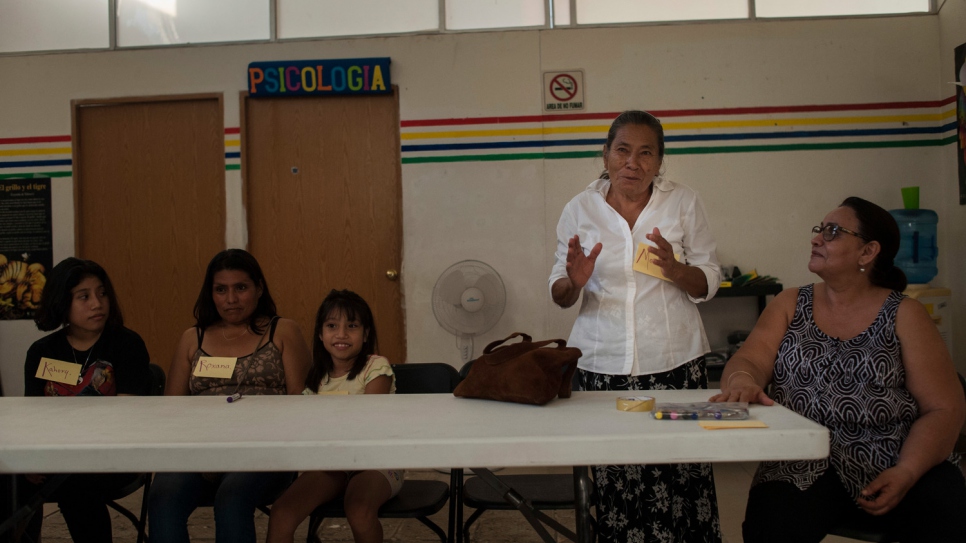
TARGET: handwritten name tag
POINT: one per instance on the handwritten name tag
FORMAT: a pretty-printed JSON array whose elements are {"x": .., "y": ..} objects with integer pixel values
[
  {"x": 729, "y": 424},
  {"x": 333, "y": 393},
  {"x": 58, "y": 371},
  {"x": 219, "y": 367},
  {"x": 644, "y": 262}
]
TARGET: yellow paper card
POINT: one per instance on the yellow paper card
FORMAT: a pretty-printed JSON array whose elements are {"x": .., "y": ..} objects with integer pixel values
[
  {"x": 729, "y": 424},
  {"x": 219, "y": 367},
  {"x": 333, "y": 393},
  {"x": 644, "y": 262},
  {"x": 58, "y": 371}
]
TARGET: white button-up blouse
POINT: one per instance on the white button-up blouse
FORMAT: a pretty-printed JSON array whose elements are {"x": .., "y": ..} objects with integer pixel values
[{"x": 631, "y": 323}]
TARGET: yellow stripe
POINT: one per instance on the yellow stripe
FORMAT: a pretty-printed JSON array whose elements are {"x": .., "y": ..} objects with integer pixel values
[
  {"x": 24, "y": 152},
  {"x": 801, "y": 121},
  {"x": 232, "y": 143}
]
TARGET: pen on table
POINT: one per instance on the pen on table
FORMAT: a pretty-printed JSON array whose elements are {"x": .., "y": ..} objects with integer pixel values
[{"x": 234, "y": 397}]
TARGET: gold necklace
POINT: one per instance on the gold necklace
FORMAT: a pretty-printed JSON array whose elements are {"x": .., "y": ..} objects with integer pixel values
[{"x": 224, "y": 335}]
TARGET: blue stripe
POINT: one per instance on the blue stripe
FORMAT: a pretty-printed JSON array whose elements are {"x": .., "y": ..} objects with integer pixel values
[
  {"x": 31, "y": 163},
  {"x": 688, "y": 138},
  {"x": 233, "y": 155}
]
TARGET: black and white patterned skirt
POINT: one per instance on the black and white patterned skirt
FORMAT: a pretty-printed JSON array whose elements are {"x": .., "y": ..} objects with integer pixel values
[{"x": 666, "y": 503}]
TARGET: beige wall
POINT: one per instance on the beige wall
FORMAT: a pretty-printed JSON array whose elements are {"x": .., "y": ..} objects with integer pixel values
[{"x": 504, "y": 213}]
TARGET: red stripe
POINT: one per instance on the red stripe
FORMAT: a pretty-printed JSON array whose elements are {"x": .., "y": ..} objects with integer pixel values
[
  {"x": 681, "y": 113},
  {"x": 234, "y": 130},
  {"x": 36, "y": 139}
]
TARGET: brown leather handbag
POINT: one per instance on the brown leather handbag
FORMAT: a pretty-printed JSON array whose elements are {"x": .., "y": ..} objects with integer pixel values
[{"x": 525, "y": 372}]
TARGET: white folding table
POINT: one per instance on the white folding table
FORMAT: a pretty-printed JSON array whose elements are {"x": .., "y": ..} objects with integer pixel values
[{"x": 297, "y": 433}]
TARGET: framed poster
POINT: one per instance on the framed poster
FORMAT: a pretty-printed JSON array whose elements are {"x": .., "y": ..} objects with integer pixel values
[{"x": 26, "y": 241}]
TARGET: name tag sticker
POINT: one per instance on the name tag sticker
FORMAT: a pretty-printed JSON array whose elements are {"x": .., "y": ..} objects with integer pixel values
[
  {"x": 644, "y": 262},
  {"x": 58, "y": 371},
  {"x": 730, "y": 424},
  {"x": 333, "y": 393},
  {"x": 219, "y": 367}
]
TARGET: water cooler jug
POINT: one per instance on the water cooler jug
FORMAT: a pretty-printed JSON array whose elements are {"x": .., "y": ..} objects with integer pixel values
[{"x": 917, "y": 245}]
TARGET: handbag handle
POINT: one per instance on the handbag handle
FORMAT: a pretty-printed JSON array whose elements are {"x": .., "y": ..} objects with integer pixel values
[
  {"x": 497, "y": 343},
  {"x": 526, "y": 339}
]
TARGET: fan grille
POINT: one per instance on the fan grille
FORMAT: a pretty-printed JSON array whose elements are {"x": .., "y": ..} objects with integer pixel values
[{"x": 448, "y": 304}]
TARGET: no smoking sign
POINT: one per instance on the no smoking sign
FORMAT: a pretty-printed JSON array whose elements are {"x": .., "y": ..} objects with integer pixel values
[{"x": 563, "y": 91}]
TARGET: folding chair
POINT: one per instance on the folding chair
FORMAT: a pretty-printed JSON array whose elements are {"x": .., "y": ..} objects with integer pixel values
[
  {"x": 543, "y": 492},
  {"x": 418, "y": 499}
]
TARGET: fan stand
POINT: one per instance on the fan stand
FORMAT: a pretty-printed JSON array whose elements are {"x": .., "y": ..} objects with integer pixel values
[{"x": 464, "y": 344}]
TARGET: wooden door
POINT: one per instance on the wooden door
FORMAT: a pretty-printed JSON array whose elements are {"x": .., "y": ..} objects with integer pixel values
[
  {"x": 149, "y": 185},
  {"x": 324, "y": 200}
]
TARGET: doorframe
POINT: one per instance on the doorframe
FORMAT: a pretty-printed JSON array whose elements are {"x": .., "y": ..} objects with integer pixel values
[{"x": 76, "y": 104}]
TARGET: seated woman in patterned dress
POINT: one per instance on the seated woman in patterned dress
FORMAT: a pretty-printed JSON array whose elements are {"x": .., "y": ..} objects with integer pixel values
[
  {"x": 236, "y": 319},
  {"x": 855, "y": 355}
]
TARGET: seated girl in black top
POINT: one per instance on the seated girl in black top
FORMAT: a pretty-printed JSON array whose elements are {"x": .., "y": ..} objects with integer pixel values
[{"x": 109, "y": 360}]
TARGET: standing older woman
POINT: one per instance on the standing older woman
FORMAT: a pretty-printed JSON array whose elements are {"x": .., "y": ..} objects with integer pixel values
[
  {"x": 637, "y": 331},
  {"x": 236, "y": 318},
  {"x": 853, "y": 354}
]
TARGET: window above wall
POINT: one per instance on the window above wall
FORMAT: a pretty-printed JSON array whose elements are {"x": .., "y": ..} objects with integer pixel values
[
  {"x": 176, "y": 22},
  {"x": 67, "y": 25},
  {"x": 44, "y": 25}
]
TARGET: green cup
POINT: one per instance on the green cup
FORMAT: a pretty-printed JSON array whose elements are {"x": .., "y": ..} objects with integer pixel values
[{"x": 910, "y": 197}]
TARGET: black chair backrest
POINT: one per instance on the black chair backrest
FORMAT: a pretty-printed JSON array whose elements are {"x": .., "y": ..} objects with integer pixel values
[
  {"x": 425, "y": 378},
  {"x": 156, "y": 387}
]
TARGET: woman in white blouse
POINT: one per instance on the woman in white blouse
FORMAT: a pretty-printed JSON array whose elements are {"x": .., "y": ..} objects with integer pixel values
[{"x": 640, "y": 330}]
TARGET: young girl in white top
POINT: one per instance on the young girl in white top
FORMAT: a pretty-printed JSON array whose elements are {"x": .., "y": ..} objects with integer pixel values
[{"x": 344, "y": 363}]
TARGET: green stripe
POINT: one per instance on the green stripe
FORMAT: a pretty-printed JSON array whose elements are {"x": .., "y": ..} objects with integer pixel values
[
  {"x": 692, "y": 150},
  {"x": 230, "y": 167},
  {"x": 36, "y": 174}
]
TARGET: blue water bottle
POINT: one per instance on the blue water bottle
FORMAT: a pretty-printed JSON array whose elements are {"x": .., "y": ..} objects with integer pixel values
[{"x": 917, "y": 239}]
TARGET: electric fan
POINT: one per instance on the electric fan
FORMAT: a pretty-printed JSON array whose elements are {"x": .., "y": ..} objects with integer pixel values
[{"x": 468, "y": 300}]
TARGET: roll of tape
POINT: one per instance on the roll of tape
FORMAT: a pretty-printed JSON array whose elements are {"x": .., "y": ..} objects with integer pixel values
[{"x": 635, "y": 403}]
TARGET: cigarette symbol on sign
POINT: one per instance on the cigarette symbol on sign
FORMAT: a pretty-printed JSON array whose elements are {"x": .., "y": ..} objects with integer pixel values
[{"x": 563, "y": 87}]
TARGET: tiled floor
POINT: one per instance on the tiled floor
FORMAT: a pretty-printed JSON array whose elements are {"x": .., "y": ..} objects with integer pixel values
[{"x": 732, "y": 482}]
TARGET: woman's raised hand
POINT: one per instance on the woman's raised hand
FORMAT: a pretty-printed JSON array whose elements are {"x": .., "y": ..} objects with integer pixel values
[{"x": 579, "y": 266}]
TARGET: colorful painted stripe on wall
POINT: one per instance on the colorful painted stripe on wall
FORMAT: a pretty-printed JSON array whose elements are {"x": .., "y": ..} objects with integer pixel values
[
  {"x": 539, "y": 137},
  {"x": 232, "y": 149},
  {"x": 50, "y": 156},
  {"x": 44, "y": 155},
  {"x": 694, "y": 131}
]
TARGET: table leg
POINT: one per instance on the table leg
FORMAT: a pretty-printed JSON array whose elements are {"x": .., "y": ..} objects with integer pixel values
[
  {"x": 582, "y": 493},
  {"x": 455, "y": 532}
]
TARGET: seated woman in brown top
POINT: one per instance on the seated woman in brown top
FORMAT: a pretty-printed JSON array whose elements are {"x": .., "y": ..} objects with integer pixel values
[{"x": 236, "y": 319}]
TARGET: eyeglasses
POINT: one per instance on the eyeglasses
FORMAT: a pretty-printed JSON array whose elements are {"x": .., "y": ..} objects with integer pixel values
[{"x": 829, "y": 231}]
